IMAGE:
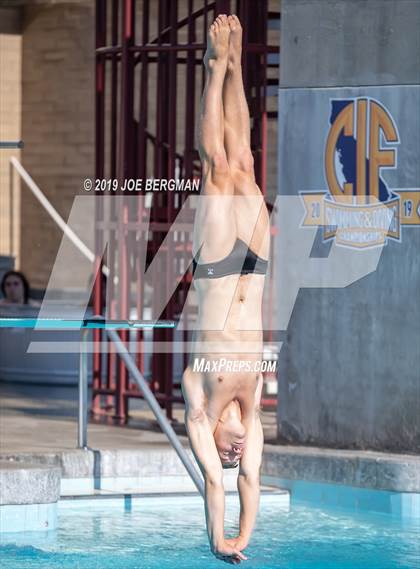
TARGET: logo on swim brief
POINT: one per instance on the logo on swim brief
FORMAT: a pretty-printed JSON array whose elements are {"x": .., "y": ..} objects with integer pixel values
[
  {"x": 210, "y": 271},
  {"x": 359, "y": 209}
]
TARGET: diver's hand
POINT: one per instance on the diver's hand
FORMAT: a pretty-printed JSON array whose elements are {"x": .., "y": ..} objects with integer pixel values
[
  {"x": 226, "y": 552},
  {"x": 239, "y": 542}
]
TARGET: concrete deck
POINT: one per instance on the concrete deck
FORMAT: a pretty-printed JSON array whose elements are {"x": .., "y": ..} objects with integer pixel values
[
  {"x": 40, "y": 464},
  {"x": 28, "y": 483},
  {"x": 40, "y": 418},
  {"x": 38, "y": 425},
  {"x": 356, "y": 468}
]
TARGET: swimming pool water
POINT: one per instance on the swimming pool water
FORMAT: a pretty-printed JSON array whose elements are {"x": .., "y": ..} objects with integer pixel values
[{"x": 163, "y": 533}]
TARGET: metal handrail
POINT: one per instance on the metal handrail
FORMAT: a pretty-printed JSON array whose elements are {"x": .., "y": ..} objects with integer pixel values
[
  {"x": 93, "y": 323},
  {"x": 122, "y": 350},
  {"x": 7, "y": 144},
  {"x": 53, "y": 213},
  {"x": 157, "y": 411},
  {"x": 110, "y": 327}
]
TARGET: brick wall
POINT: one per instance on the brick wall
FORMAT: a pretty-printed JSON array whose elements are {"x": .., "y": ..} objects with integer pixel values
[
  {"x": 10, "y": 122},
  {"x": 57, "y": 122}
]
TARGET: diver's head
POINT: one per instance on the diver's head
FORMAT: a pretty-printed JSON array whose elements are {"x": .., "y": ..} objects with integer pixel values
[{"x": 229, "y": 437}]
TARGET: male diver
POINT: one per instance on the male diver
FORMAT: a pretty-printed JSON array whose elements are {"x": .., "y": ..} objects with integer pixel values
[{"x": 231, "y": 248}]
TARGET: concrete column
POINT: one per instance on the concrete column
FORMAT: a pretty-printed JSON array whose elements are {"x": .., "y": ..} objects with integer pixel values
[{"x": 350, "y": 365}]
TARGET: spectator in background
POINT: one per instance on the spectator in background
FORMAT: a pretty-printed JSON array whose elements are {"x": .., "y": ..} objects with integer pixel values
[{"x": 15, "y": 289}]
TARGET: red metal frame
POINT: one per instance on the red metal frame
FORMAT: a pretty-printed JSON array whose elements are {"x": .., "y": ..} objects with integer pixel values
[{"x": 123, "y": 150}]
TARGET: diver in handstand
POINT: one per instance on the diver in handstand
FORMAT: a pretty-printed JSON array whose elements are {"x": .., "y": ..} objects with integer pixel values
[{"x": 231, "y": 248}]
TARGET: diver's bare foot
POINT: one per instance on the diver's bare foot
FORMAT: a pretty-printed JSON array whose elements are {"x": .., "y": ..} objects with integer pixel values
[
  {"x": 217, "y": 42},
  {"x": 235, "y": 42}
]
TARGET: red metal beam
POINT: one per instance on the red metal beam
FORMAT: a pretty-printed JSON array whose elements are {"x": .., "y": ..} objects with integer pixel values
[{"x": 129, "y": 141}]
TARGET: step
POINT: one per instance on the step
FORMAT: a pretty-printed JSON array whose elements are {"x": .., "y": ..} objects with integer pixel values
[{"x": 28, "y": 496}]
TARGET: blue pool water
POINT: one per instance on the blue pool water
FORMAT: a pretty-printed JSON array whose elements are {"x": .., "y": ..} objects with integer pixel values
[{"x": 163, "y": 533}]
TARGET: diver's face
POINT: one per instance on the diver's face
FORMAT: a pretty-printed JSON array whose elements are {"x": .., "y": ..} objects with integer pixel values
[
  {"x": 230, "y": 455},
  {"x": 229, "y": 437}
]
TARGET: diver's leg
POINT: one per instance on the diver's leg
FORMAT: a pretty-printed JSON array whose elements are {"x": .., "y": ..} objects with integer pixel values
[
  {"x": 252, "y": 220},
  {"x": 215, "y": 218},
  {"x": 210, "y": 124},
  {"x": 235, "y": 106}
]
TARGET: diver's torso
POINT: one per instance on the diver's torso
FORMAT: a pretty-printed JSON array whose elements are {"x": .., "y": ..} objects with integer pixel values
[
  {"x": 227, "y": 344},
  {"x": 230, "y": 309},
  {"x": 215, "y": 390}
]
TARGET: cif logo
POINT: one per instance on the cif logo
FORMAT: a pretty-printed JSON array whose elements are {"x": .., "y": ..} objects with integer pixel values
[
  {"x": 358, "y": 208},
  {"x": 357, "y": 128}
]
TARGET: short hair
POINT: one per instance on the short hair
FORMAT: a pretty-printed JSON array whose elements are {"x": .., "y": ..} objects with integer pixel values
[
  {"x": 24, "y": 280},
  {"x": 230, "y": 464}
]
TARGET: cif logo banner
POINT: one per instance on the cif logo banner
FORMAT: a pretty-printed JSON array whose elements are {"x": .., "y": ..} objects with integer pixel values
[{"x": 360, "y": 209}]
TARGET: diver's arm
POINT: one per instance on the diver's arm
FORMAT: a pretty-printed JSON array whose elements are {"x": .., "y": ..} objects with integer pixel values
[
  {"x": 249, "y": 480},
  {"x": 205, "y": 452},
  {"x": 249, "y": 469}
]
